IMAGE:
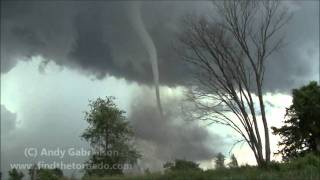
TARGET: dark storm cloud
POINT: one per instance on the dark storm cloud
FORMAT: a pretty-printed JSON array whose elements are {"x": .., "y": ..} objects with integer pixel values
[
  {"x": 91, "y": 50},
  {"x": 298, "y": 61},
  {"x": 169, "y": 137},
  {"x": 35, "y": 28},
  {"x": 97, "y": 38}
]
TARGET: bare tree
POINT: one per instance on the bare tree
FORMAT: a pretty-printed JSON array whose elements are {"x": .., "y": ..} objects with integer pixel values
[{"x": 228, "y": 55}]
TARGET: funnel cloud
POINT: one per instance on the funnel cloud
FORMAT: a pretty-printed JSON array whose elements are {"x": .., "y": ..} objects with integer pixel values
[{"x": 149, "y": 45}]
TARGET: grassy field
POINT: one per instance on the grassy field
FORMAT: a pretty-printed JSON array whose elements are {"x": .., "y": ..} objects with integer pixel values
[{"x": 307, "y": 168}]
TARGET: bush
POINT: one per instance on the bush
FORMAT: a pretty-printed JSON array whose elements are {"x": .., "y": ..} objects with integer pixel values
[
  {"x": 14, "y": 174},
  {"x": 181, "y": 165},
  {"x": 302, "y": 162},
  {"x": 273, "y": 165}
]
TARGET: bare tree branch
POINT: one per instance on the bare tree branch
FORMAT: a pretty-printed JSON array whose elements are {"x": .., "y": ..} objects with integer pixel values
[{"x": 228, "y": 57}]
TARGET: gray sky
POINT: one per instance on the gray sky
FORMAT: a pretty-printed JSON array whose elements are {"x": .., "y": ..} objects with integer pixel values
[{"x": 55, "y": 56}]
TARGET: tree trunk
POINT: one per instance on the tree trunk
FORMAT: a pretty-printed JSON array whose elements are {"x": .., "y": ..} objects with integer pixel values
[{"x": 265, "y": 125}]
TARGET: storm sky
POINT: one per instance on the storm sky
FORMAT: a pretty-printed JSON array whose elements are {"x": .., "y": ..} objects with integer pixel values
[{"x": 55, "y": 56}]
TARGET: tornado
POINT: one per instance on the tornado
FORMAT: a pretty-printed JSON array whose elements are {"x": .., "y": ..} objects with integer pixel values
[{"x": 148, "y": 43}]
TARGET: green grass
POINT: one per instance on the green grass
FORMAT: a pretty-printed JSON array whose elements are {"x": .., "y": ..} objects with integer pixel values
[{"x": 307, "y": 168}]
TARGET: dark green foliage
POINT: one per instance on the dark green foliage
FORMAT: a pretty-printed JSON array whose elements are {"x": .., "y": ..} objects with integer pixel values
[
  {"x": 46, "y": 174},
  {"x": 14, "y": 174},
  {"x": 58, "y": 172},
  {"x": 301, "y": 132},
  {"x": 220, "y": 161},
  {"x": 181, "y": 165},
  {"x": 110, "y": 137},
  {"x": 49, "y": 174},
  {"x": 147, "y": 171},
  {"x": 233, "y": 163},
  {"x": 303, "y": 168},
  {"x": 301, "y": 163},
  {"x": 273, "y": 165}
]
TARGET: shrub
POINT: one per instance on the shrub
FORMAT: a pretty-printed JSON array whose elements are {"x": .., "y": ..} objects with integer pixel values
[{"x": 181, "y": 165}]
